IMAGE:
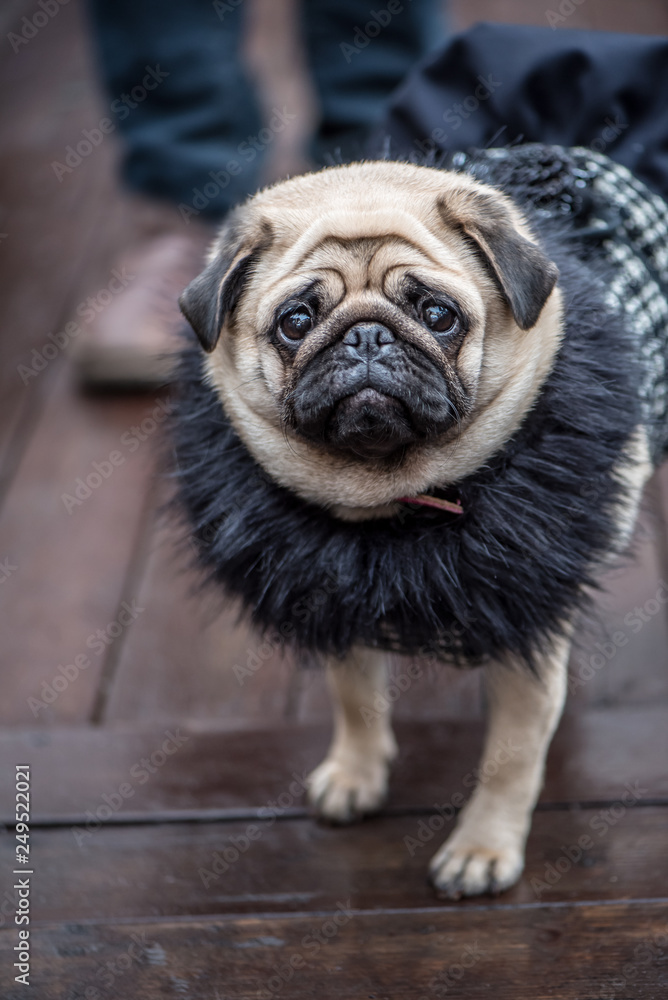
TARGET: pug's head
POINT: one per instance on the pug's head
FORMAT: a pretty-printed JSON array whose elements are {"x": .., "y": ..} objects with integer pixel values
[{"x": 375, "y": 330}]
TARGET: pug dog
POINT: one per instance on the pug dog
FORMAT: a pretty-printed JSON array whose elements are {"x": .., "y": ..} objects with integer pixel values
[{"x": 420, "y": 420}]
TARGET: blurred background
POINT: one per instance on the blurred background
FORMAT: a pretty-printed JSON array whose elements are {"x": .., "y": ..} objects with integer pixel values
[{"x": 98, "y": 625}]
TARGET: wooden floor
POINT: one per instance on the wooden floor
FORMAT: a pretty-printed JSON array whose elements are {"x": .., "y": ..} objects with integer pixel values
[{"x": 172, "y": 852}]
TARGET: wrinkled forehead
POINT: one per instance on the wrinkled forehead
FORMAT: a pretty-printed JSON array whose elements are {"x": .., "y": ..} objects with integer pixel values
[
  {"x": 357, "y": 264},
  {"x": 360, "y": 249}
]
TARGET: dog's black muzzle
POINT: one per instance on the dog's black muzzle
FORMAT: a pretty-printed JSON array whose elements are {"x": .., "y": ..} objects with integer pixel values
[{"x": 371, "y": 393}]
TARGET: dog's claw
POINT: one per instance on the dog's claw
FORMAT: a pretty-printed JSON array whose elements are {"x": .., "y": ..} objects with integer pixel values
[
  {"x": 472, "y": 871},
  {"x": 342, "y": 792},
  {"x": 494, "y": 887}
]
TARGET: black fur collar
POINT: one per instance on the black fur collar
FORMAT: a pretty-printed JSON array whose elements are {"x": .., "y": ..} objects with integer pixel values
[{"x": 505, "y": 576}]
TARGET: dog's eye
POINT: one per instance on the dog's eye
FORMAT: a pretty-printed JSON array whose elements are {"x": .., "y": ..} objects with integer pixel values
[
  {"x": 296, "y": 324},
  {"x": 438, "y": 317}
]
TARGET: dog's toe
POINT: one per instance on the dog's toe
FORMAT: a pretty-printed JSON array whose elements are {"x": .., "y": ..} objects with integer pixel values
[
  {"x": 343, "y": 792},
  {"x": 470, "y": 870}
]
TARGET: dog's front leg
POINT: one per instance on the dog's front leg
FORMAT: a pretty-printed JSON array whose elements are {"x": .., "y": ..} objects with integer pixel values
[
  {"x": 485, "y": 852},
  {"x": 352, "y": 779}
]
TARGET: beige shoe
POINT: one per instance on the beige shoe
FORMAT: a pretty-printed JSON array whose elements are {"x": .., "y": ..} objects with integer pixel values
[{"x": 130, "y": 337}]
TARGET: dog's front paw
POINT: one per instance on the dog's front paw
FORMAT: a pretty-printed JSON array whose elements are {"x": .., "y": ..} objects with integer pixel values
[
  {"x": 468, "y": 867},
  {"x": 342, "y": 790}
]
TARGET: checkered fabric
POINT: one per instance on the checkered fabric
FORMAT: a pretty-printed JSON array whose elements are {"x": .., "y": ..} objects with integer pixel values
[{"x": 630, "y": 224}]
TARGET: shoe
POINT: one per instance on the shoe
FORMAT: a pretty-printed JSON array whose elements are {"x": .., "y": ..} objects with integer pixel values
[{"x": 131, "y": 337}]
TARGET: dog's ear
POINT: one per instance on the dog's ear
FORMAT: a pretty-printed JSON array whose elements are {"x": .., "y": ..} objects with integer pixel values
[
  {"x": 214, "y": 293},
  {"x": 526, "y": 276}
]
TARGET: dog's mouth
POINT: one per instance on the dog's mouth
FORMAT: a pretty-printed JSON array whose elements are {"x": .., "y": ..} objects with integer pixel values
[
  {"x": 370, "y": 424},
  {"x": 371, "y": 395}
]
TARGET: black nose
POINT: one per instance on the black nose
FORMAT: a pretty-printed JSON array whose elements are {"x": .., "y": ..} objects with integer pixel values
[{"x": 366, "y": 340}]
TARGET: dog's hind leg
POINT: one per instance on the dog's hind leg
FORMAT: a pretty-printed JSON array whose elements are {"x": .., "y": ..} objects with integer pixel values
[
  {"x": 485, "y": 852},
  {"x": 352, "y": 779}
]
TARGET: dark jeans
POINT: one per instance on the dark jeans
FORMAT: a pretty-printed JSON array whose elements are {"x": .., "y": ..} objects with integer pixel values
[{"x": 187, "y": 110}]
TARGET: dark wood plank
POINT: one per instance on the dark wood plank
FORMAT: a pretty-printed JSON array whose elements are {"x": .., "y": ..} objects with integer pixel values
[
  {"x": 567, "y": 952},
  {"x": 621, "y": 656},
  {"x": 71, "y": 558},
  {"x": 237, "y": 774},
  {"x": 51, "y": 226},
  {"x": 189, "y": 658},
  {"x": 293, "y": 865}
]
